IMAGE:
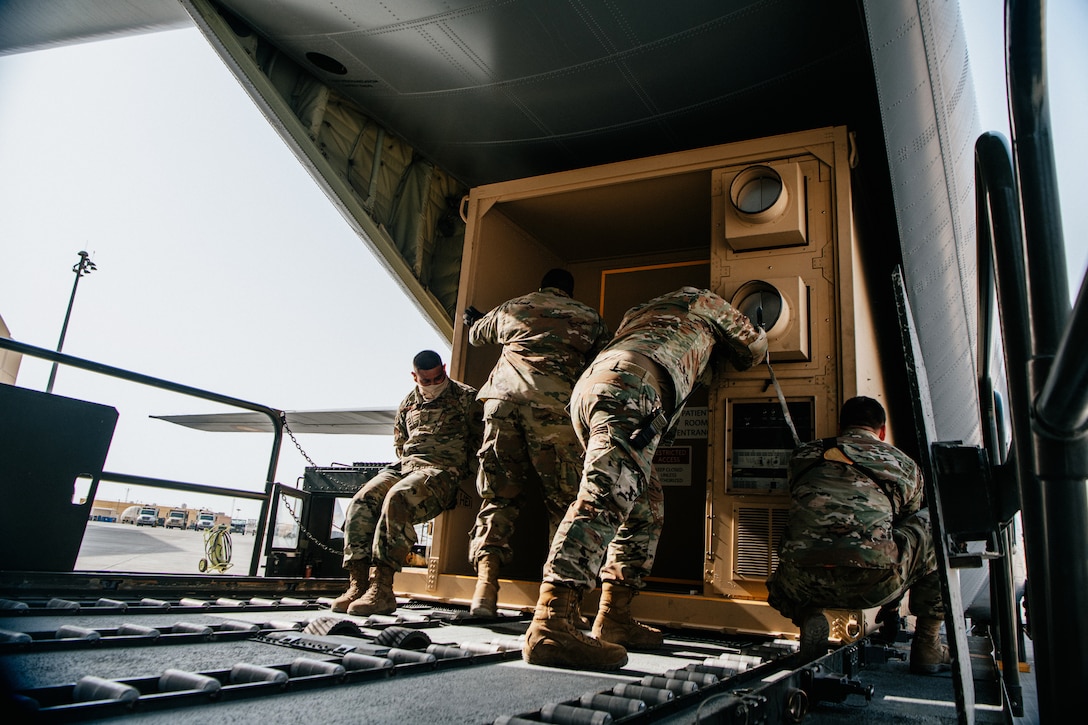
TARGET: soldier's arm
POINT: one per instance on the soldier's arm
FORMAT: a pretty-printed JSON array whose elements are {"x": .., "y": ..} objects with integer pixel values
[
  {"x": 901, "y": 480},
  {"x": 914, "y": 492},
  {"x": 744, "y": 344},
  {"x": 474, "y": 431},
  {"x": 400, "y": 430},
  {"x": 604, "y": 336},
  {"x": 485, "y": 331}
]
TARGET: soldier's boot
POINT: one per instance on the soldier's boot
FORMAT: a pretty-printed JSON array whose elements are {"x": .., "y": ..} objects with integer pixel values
[
  {"x": 579, "y": 620},
  {"x": 815, "y": 631},
  {"x": 552, "y": 640},
  {"x": 927, "y": 655},
  {"x": 614, "y": 622},
  {"x": 486, "y": 597},
  {"x": 379, "y": 597},
  {"x": 890, "y": 622},
  {"x": 358, "y": 581}
]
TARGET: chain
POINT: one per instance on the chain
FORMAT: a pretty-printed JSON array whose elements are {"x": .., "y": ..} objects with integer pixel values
[
  {"x": 304, "y": 530},
  {"x": 283, "y": 499},
  {"x": 283, "y": 420}
]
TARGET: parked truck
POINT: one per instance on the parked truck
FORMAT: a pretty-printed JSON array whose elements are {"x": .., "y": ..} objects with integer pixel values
[
  {"x": 148, "y": 516},
  {"x": 177, "y": 519},
  {"x": 204, "y": 520}
]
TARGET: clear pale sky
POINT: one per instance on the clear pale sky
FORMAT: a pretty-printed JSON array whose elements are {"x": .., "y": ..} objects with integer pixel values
[{"x": 221, "y": 264}]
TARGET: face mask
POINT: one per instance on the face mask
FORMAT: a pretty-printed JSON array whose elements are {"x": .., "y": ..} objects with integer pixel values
[{"x": 430, "y": 392}]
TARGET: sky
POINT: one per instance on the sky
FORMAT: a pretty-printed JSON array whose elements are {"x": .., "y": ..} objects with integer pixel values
[
  {"x": 1067, "y": 62},
  {"x": 223, "y": 266}
]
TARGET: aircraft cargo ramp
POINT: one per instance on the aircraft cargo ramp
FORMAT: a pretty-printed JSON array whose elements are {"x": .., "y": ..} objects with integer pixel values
[{"x": 87, "y": 646}]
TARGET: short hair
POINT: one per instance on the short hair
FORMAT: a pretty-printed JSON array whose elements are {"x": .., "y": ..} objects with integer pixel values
[
  {"x": 560, "y": 279},
  {"x": 862, "y": 411},
  {"x": 427, "y": 360}
]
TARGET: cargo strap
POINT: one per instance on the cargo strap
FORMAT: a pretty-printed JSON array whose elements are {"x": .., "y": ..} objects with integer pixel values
[{"x": 782, "y": 402}]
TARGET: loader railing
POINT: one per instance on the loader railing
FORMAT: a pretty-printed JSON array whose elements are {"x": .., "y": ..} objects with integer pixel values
[
  {"x": 274, "y": 415},
  {"x": 1021, "y": 241}
]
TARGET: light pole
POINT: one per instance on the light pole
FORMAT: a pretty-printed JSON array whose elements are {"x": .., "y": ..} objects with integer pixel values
[{"x": 82, "y": 267}]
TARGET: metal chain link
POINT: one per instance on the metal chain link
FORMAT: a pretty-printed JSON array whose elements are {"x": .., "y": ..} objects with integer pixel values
[
  {"x": 306, "y": 531},
  {"x": 283, "y": 500},
  {"x": 283, "y": 420}
]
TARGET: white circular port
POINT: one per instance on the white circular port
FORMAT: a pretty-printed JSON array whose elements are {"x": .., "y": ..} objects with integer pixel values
[
  {"x": 764, "y": 305},
  {"x": 758, "y": 194}
]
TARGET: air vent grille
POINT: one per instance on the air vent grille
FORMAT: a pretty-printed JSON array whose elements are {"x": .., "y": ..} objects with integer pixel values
[{"x": 758, "y": 532}]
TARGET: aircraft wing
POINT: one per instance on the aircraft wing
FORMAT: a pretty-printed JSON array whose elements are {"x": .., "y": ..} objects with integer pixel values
[
  {"x": 367, "y": 421},
  {"x": 27, "y": 25}
]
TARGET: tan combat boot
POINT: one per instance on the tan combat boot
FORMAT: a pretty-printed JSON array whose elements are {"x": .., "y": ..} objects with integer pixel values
[
  {"x": 614, "y": 622},
  {"x": 358, "y": 581},
  {"x": 815, "y": 631},
  {"x": 485, "y": 598},
  {"x": 579, "y": 620},
  {"x": 554, "y": 642},
  {"x": 379, "y": 597},
  {"x": 927, "y": 655}
]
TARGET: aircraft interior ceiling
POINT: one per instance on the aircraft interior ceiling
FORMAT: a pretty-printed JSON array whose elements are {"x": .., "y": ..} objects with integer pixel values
[{"x": 477, "y": 93}]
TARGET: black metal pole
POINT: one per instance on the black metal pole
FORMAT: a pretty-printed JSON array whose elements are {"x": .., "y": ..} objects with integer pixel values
[
  {"x": 83, "y": 266},
  {"x": 1004, "y": 257},
  {"x": 1059, "y": 486}
]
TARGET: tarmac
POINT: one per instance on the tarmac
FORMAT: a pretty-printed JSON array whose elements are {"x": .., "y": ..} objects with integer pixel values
[{"x": 131, "y": 548}]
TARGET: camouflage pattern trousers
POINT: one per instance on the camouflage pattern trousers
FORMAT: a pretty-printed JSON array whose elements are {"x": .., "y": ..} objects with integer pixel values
[
  {"x": 793, "y": 590},
  {"x": 380, "y": 520},
  {"x": 620, "y": 505},
  {"x": 522, "y": 445}
]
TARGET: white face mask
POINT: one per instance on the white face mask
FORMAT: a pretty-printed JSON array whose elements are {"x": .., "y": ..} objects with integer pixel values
[{"x": 430, "y": 392}]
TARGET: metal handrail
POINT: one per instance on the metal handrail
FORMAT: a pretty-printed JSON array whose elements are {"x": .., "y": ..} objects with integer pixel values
[
  {"x": 1048, "y": 415},
  {"x": 1001, "y": 274},
  {"x": 1063, "y": 402},
  {"x": 276, "y": 416}
]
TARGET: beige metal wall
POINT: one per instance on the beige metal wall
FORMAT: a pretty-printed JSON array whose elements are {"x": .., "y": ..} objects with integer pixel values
[
  {"x": 629, "y": 232},
  {"x": 806, "y": 255}
]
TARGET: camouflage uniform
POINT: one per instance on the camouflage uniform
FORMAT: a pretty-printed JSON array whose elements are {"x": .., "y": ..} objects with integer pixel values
[
  {"x": 436, "y": 445},
  {"x": 851, "y": 541},
  {"x": 661, "y": 349},
  {"x": 548, "y": 338}
]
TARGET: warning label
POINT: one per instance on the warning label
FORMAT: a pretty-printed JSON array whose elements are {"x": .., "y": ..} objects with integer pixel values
[
  {"x": 673, "y": 464},
  {"x": 693, "y": 423}
]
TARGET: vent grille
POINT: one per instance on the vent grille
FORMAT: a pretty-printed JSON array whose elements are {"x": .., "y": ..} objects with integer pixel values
[{"x": 758, "y": 532}]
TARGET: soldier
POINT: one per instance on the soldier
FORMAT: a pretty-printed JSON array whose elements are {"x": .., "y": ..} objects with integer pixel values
[
  {"x": 641, "y": 378},
  {"x": 547, "y": 340},
  {"x": 857, "y": 537},
  {"x": 436, "y": 435}
]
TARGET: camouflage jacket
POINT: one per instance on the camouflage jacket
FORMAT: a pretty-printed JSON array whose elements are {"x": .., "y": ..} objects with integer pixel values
[
  {"x": 842, "y": 514},
  {"x": 547, "y": 340},
  {"x": 680, "y": 330},
  {"x": 444, "y": 433}
]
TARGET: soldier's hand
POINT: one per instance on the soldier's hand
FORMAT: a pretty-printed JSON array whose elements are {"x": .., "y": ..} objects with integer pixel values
[
  {"x": 889, "y": 621},
  {"x": 471, "y": 315}
]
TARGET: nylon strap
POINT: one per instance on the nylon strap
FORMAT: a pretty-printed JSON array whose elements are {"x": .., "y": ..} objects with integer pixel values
[{"x": 782, "y": 402}]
